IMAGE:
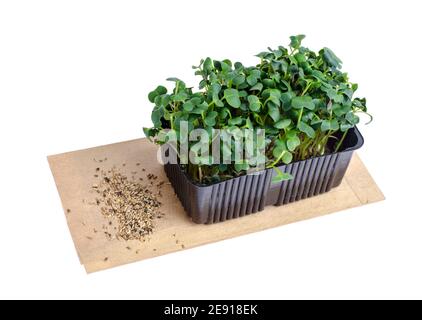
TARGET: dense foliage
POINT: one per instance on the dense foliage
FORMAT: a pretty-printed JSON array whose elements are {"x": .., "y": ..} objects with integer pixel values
[{"x": 300, "y": 97}]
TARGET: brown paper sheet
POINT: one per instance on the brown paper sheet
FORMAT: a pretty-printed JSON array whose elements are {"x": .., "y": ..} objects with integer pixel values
[{"x": 74, "y": 176}]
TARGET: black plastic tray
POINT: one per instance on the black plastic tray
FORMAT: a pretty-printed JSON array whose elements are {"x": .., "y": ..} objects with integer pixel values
[{"x": 248, "y": 194}]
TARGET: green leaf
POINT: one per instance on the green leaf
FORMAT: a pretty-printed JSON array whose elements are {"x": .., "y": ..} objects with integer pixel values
[
  {"x": 174, "y": 79},
  {"x": 249, "y": 123},
  {"x": 281, "y": 176},
  {"x": 254, "y": 103},
  {"x": 188, "y": 106},
  {"x": 332, "y": 94},
  {"x": 210, "y": 118},
  {"x": 272, "y": 95},
  {"x": 224, "y": 113},
  {"x": 293, "y": 142},
  {"x": 269, "y": 83},
  {"x": 181, "y": 96},
  {"x": 215, "y": 90},
  {"x": 259, "y": 86},
  {"x": 319, "y": 104},
  {"x": 199, "y": 109},
  {"x": 232, "y": 97},
  {"x": 345, "y": 126},
  {"x": 208, "y": 66},
  {"x": 283, "y": 124},
  {"x": 238, "y": 66},
  {"x": 241, "y": 166},
  {"x": 243, "y": 94},
  {"x": 149, "y": 132},
  {"x": 274, "y": 112},
  {"x": 251, "y": 80},
  {"x": 295, "y": 41},
  {"x": 278, "y": 150},
  {"x": 196, "y": 100},
  {"x": 156, "y": 115},
  {"x": 327, "y": 125},
  {"x": 305, "y": 128},
  {"x": 158, "y": 91},
  {"x": 303, "y": 102},
  {"x": 287, "y": 157},
  {"x": 352, "y": 118},
  {"x": 235, "y": 121},
  {"x": 331, "y": 59},
  {"x": 238, "y": 79},
  {"x": 286, "y": 99},
  {"x": 253, "y": 77}
]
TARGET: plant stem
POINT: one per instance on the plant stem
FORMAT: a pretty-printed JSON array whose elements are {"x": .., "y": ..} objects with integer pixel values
[
  {"x": 171, "y": 122},
  {"x": 324, "y": 141},
  {"x": 306, "y": 89},
  {"x": 277, "y": 160},
  {"x": 200, "y": 174},
  {"x": 300, "y": 116},
  {"x": 341, "y": 141}
]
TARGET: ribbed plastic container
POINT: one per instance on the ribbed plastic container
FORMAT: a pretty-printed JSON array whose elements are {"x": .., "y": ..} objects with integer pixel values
[{"x": 249, "y": 194}]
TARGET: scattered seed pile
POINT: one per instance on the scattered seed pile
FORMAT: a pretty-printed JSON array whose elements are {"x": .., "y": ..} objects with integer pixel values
[{"x": 132, "y": 204}]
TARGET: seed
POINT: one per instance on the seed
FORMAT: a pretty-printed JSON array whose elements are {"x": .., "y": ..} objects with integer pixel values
[
  {"x": 130, "y": 203},
  {"x": 105, "y": 259},
  {"x": 89, "y": 238},
  {"x": 68, "y": 211},
  {"x": 129, "y": 248}
]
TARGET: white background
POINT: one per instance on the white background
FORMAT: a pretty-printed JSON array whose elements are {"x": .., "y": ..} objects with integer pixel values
[{"x": 75, "y": 74}]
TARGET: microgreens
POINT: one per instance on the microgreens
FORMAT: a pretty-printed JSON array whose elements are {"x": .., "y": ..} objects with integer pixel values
[{"x": 300, "y": 97}]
